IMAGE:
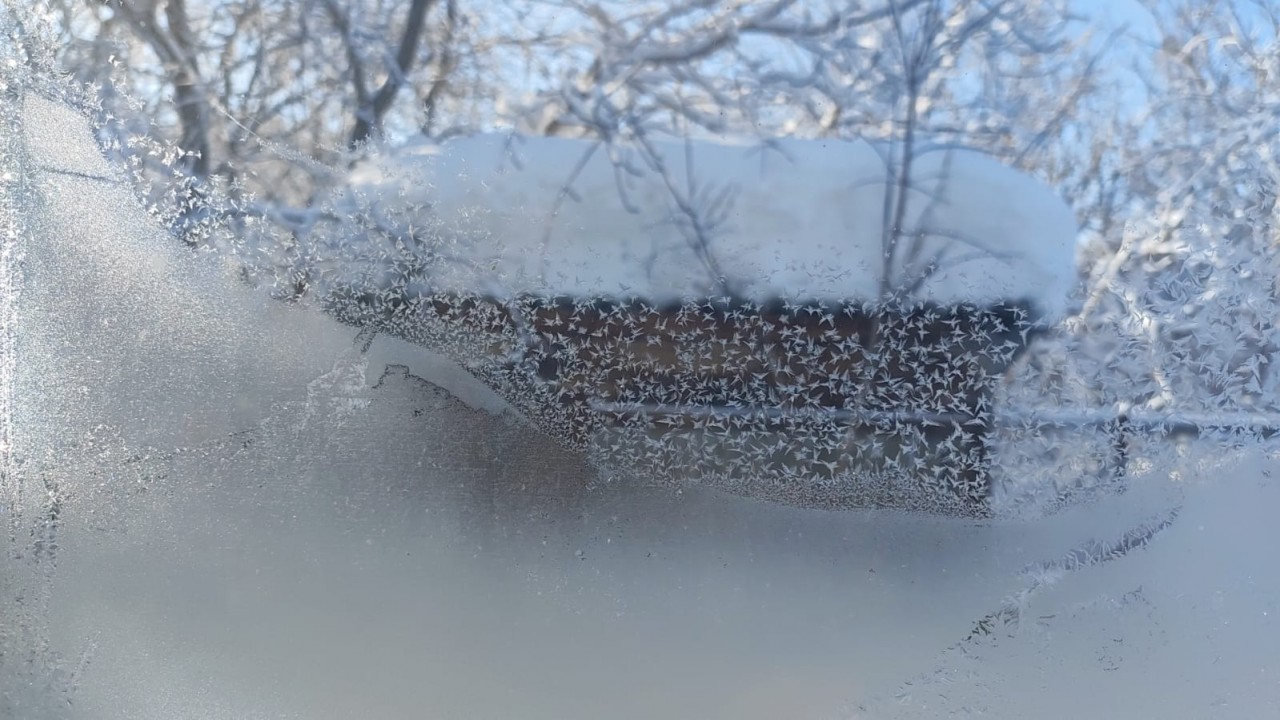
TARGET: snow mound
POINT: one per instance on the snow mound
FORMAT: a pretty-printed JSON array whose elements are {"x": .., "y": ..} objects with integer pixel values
[{"x": 786, "y": 218}]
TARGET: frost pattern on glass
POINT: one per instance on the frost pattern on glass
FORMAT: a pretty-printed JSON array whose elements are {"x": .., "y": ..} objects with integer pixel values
[
  {"x": 596, "y": 380},
  {"x": 846, "y": 364}
]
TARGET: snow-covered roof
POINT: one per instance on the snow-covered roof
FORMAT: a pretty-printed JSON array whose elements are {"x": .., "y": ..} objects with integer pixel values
[{"x": 783, "y": 218}]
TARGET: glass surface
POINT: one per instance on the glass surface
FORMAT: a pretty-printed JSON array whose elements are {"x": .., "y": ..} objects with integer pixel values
[{"x": 659, "y": 359}]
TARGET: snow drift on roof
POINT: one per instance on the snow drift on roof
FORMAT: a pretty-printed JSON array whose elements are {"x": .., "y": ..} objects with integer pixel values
[{"x": 788, "y": 218}]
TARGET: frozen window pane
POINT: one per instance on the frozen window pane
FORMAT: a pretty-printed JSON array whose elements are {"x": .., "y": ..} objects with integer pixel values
[{"x": 703, "y": 394}]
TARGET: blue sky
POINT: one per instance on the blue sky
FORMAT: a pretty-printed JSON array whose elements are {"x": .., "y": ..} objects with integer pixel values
[{"x": 1112, "y": 14}]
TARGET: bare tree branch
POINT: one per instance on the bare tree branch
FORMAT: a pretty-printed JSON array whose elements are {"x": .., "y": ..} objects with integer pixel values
[{"x": 370, "y": 112}]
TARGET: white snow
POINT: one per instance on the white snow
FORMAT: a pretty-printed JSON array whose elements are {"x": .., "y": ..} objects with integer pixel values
[
  {"x": 387, "y": 353},
  {"x": 803, "y": 220}
]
